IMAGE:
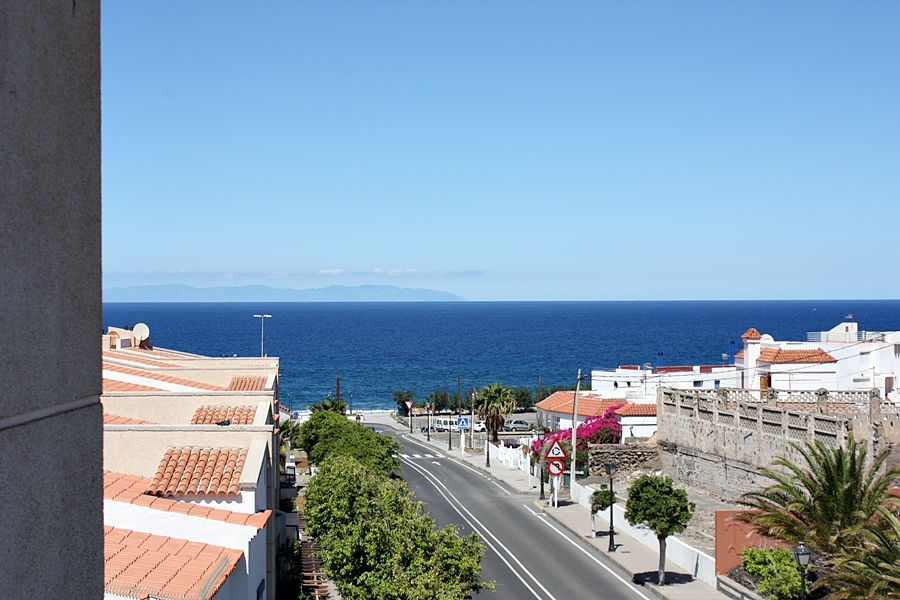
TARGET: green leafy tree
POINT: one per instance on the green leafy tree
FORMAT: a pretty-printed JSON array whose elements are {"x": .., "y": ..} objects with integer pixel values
[
  {"x": 523, "y": 397},
  {"x": 493, "y": 404},
  {"x": 870, "y": 568},
  {"x": 378, "y": 543},
  {"x": 401, "y": 397},
  {"x": 654, "y": 502},
  {"x": 824, "y": 500},
  {"x": 776, "y": 570},
  {"x": 440, "y": 399},
  {"x": 327, "y": 434},
  {"x": 602, "y": 499}
]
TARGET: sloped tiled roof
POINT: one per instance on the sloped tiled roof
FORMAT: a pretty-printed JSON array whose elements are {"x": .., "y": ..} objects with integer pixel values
[
  {"x": 216, "y": 413},
  {"x": 132, "y": 489},
  {"x": 141, "y": 565},
  {"x": 588, "y": 406},
  {"x": 247, "y": 383},
  {"x": 134, "y": 357},
  {"x": 111, "y": 385},
  {"x": 157, "y": 376},
  {"x": 781, "y": 356},
  {"x": 637, "y": 410},
  {"x": 751, "y": 334},
  {"x": 199, "y": 471},
  {"x": 739, "y": 355},
  {"x": 109, "y": 419}
]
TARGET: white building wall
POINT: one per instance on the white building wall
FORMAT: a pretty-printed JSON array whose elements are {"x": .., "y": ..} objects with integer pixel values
[{"x": 637, "y": 426}]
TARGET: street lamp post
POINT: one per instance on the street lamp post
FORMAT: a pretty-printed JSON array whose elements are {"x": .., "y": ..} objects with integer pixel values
[
  {"x": 428, "y": 422},
  {"x": 802, "y": 555},
  {"x": 542, "y": 480},
  {"x": 611, "y": 470},
  {"x": 262, "y": 332}
]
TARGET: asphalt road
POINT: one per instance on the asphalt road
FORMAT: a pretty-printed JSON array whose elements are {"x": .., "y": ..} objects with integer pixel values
[{"x": 526, "y": 555}]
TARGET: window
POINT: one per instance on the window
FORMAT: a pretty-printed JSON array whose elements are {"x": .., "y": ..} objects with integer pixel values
[
  {"x": 698, "y": 383},
  {"x": 717, "y": 384}
]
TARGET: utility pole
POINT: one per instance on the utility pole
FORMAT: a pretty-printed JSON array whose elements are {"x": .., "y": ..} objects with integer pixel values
[
  {"x": 337, "y": 388},
  {"x": 472, "y": 422},
  {"x": 458, "y": 411},
  {"x": 574, "y": 429},
  {"x": 262, "y": 332}
]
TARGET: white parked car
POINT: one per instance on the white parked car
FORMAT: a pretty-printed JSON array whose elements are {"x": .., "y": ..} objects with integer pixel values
[{"x": 479, "y": 426}]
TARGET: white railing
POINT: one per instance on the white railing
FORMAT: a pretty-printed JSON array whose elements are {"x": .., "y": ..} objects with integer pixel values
[{"x": 515, "y": 458}]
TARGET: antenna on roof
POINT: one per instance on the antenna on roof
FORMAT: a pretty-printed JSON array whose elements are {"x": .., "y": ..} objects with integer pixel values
[{"x": 849, "y": 316}]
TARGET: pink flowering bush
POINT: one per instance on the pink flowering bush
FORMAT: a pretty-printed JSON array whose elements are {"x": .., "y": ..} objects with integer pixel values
[{"x": 596, "y": 430}]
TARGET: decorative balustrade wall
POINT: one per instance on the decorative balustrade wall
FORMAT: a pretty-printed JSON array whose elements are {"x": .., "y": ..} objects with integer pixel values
[{"x": 720, "y": 438}]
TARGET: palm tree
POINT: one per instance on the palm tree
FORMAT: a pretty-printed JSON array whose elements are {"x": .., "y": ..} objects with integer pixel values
[
  {"x": 870, "y": 570},
  {"x": 493, "y": 404},
  {"x": 824, "y": 501},
  {"x": 329, "y": 404}
]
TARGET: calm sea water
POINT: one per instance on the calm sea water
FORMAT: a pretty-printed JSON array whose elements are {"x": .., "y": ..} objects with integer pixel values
[{"x": 380, "y": 347}]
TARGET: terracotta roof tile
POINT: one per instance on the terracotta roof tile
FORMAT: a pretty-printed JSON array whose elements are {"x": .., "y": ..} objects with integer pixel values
[
  {"x": 739, "y": 355},
  {"x": 131, "y": 489},
  {"x": 782, "y": 356},
  {"x": 137, "y": 358},
  {"x": 139, "y": 565},
  {"x": 157, "y": 376},
  {"x": 111, "y": 385},
  {"x": 751, "y": 334},
  {"x": 109, "y": 419},
  {"x": 213, "y": 414},
  {"x": 588, "y": 405},
  {"x": 184, "y": 471},
  {"x": 247, "y": 383},
  {"x": 637, "y": 410}
]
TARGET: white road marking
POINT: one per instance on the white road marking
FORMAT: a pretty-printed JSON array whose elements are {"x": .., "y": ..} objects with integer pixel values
[
  {"x": 435, "y": 483},
  {"x": 463, "y": 465},
  {"x": 417, "y": 456},
  {"x": 434, "y": 462},
  {"x": 628, "y": 584}
]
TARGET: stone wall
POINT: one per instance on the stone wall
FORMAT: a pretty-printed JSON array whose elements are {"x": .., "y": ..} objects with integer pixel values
[
  {"x": 718, "y": 442},
  {"x": 626, "y": 457}
]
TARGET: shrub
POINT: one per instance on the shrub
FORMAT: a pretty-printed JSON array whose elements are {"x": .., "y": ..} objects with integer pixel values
[
  {"x": 601, "y": 500},
  {"x": 776, "y": 571}
]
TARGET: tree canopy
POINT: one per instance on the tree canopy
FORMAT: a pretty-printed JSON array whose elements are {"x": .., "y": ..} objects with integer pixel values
[
  {"x": 822, "y": 500},
  {"x": 493, "y": 404},
  {"x": 654, "y": 502},
  {"x": 401, "y": 397},
  {"x": 327, "y": 434},
  {"x": 378, "y": 543}
]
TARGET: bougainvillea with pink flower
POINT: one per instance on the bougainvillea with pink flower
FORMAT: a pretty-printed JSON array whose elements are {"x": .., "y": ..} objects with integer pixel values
[{"x": 595, "y": 430}]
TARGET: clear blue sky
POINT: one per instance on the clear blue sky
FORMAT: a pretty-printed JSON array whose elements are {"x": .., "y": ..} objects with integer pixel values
[{"x": 506, "y": 150}]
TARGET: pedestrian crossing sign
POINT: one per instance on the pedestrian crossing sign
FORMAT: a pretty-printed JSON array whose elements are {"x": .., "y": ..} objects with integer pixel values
[{"x": 462, "y": 422}]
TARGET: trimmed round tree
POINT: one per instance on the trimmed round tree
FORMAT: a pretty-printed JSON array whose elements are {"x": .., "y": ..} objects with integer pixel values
[{"x": 655, "y": 503}]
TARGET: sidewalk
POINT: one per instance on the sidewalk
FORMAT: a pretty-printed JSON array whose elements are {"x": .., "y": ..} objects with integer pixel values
[{"x": 634, "y": 561}]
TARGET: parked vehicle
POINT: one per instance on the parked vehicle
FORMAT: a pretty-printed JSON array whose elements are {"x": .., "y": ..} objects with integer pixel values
[
  {"x": 444, "y": 424},
  {"x": 516, "y": 425},
  {"x": 479, "y": 426}
]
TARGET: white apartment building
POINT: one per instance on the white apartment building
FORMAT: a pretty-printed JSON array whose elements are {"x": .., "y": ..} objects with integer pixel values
[
  {"x": 638, "y": 384},
  {"x": 843, "y": 358}
]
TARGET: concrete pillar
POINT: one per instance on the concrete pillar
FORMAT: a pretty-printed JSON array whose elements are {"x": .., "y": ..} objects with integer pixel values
[{"x": 50, "y": 418}]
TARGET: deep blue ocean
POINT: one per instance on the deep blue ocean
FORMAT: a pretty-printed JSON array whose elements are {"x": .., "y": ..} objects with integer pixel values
[{"x": 379, "y": 347}]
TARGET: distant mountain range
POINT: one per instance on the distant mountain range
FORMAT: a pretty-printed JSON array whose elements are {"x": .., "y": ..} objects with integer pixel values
[{"x": 264, "y": 293}]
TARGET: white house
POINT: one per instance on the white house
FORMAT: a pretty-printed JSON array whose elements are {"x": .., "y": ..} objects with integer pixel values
[
  {"x": 639, "y": 384},
  {"x": 843, "y": 358}
]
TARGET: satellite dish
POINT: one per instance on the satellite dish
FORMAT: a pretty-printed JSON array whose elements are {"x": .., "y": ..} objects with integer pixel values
[{"x": 141, "y": 332}]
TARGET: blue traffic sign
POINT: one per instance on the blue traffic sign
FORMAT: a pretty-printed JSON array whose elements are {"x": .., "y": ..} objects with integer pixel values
[{"x": 462, "y": 422}]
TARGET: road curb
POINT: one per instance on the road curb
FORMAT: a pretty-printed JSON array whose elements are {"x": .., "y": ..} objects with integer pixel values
[{"x": 625, "y": 573}]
